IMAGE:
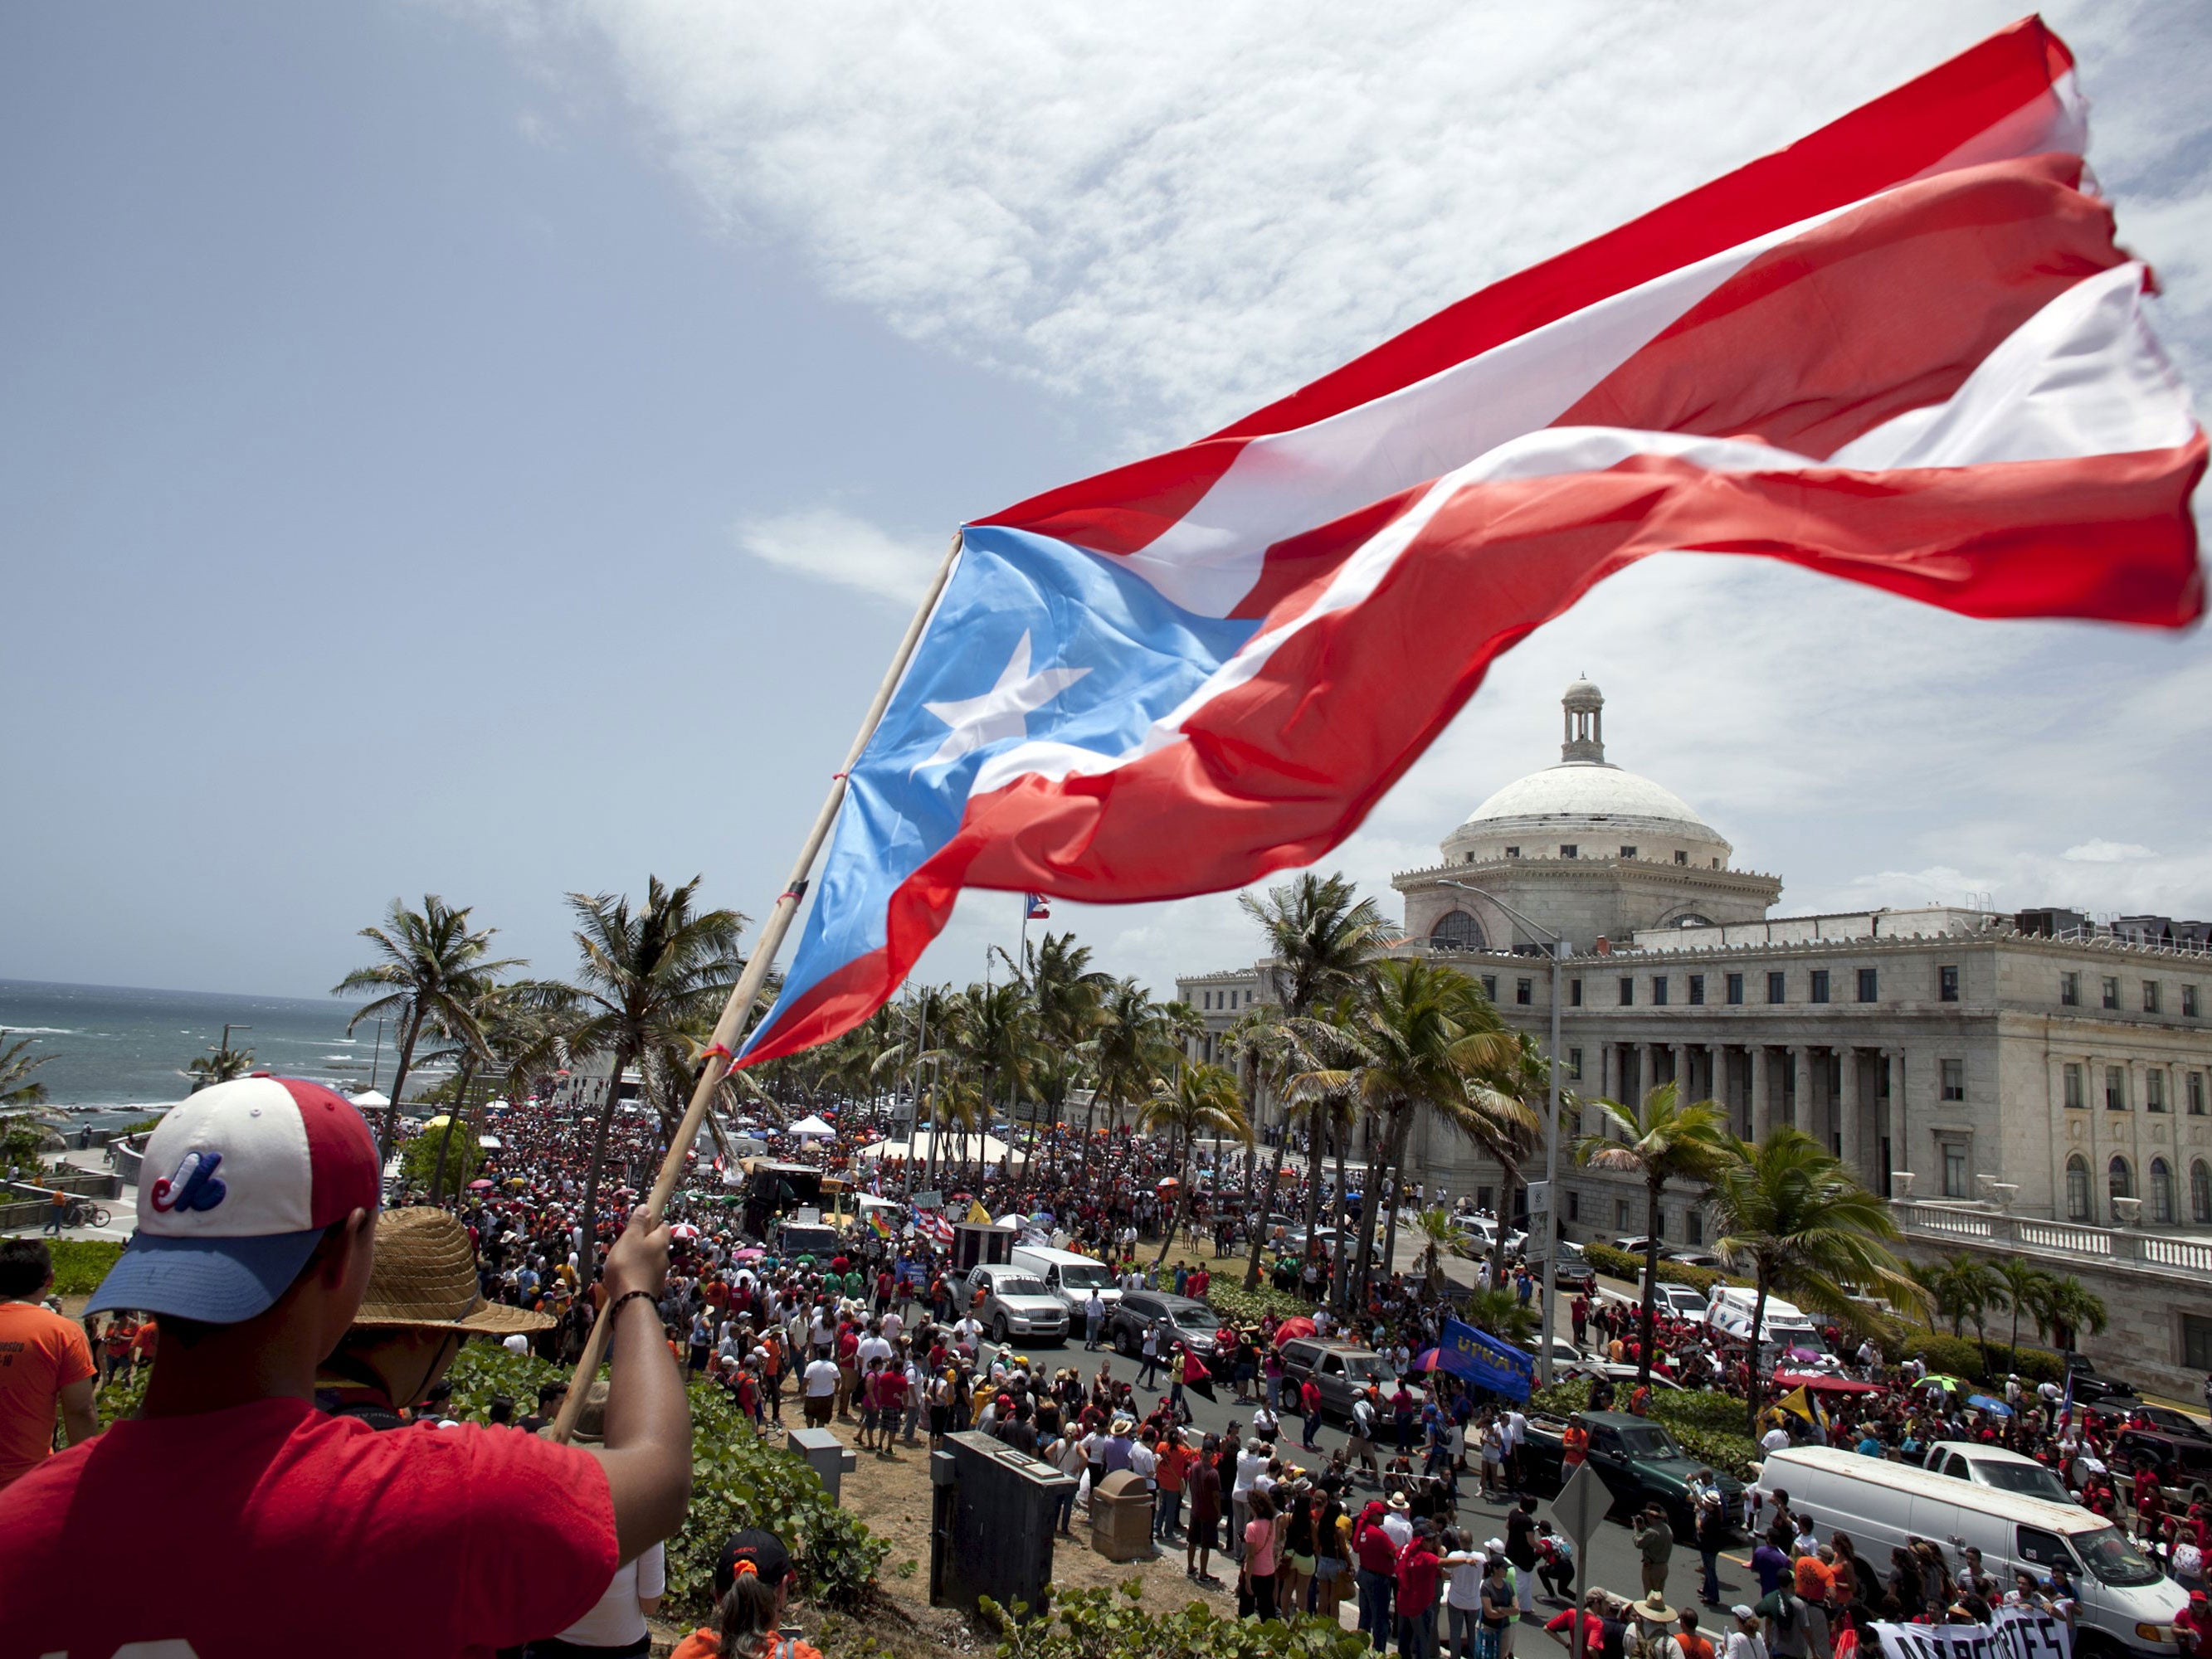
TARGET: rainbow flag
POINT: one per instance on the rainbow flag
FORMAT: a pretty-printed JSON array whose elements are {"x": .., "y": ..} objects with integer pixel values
[{"x": 880, "y": 1221}]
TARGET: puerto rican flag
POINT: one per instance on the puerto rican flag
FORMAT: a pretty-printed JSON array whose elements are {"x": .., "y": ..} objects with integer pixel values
[{"x": 1905, "y": 350}]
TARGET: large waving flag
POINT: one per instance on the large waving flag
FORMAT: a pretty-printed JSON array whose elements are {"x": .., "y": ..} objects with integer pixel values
[{"x": 1905, "y": 350}]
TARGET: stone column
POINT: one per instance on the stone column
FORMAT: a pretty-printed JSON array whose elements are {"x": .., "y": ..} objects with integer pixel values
[
  {"x": 1683, "y": 1080},
  {"x": 1762, "y": 1119},
  {"x": 1801, "y": 1062},
  {"x": 1900, "y": 1137},
  {"x": 1642, "y": 1085},
  {"x": 1847, "y": 1109}
]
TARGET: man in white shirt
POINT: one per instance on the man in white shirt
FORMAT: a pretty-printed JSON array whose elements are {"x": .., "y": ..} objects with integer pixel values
[
  {"x": 1775, "y": 1439},
  {"x": 821, "y": 1383},
  {"x": 1251, "y": 1464},
  {"x": 872, "y": 1347},
  {"x": 1516, "y": 1432},
  {"x": 1398, "y": 1520},
  {"x": 822, "y": 1333},
  {"x": 966, "y": 1333}
]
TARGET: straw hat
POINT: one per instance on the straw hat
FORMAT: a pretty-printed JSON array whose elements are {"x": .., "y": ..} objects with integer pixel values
[
  {"x": 425, "y": 1276},
  {"x": 1655, "y": 1608}
]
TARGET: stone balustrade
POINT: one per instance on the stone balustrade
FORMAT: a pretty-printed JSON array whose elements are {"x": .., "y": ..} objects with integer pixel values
[{"x": 2107, "y": 1247}]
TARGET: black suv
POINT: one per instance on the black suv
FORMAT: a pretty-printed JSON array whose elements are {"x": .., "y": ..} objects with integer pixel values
[
  {"x": 1188, "y": 1322},
  {"x": 2188, "y": 1458}
]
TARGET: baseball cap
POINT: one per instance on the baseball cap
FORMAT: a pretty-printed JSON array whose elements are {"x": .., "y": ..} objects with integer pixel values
[
  {"x": 753, "y": 1551},
  {"x": 1742, "y": 1610},
  {"x": 239, "y": 1183}
]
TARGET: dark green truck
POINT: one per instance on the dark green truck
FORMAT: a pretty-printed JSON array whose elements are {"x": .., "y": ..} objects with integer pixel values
[{"x": 1639, "y": 1462}]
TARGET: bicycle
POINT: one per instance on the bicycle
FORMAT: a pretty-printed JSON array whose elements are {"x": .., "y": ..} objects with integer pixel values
[{"x": 83, "y": 1213}]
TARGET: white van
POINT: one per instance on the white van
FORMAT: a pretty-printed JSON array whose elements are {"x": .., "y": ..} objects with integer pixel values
[
  {"x": 2128, "y": 1605},
  {"x": 1785, "y": 1324},
  {"x": 1068, "y": 1276},
  {"x": 1995, "y": 1467}
]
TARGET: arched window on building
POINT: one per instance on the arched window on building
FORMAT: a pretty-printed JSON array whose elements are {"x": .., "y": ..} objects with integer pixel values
[
  {"x": 2161, "y": 1192},
  {"x": 2200, "y": 1191},
  {"x": 2119, "y": 1180},
  {"x": 2077, "y": 1189},
  {"x": 1455, "y": 930}
]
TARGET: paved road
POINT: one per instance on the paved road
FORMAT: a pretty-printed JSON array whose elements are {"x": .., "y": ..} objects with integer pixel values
[{"x": 1612, "y": 1561}]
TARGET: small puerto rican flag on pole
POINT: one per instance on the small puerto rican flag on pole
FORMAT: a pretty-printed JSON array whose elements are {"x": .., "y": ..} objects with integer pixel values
[{"x": 1034, "y": 907}]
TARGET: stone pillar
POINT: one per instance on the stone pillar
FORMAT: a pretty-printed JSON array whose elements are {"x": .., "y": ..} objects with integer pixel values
[
  {"x": 1762, "y": 1120},
  {"x": 1847, "y": 1107},
  {"x": 1643, "y": 1084},
  {"x": 1683, "y": 1082},
  {"x": 1801, "y": 1065},
  {"x": 1900, "y": 1136}
]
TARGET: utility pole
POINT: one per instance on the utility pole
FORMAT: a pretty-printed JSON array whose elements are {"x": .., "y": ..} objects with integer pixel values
[{"x": 1557, "y": 949}]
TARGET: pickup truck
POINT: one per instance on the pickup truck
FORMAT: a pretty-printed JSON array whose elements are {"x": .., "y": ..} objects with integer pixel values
[{"x": 1639, "y": 1462}]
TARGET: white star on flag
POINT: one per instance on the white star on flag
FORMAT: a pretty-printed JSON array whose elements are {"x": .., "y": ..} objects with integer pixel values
[{"x": 1003, "y": 711}]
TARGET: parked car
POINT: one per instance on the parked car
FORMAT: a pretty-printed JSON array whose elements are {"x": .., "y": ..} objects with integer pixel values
[
  {"x": 1009, "y": 1302},
  {"x": 1344, "y": 1370},
  {"x": 1621, "y": 1375},
  {"x": 1680, "y": 1302},
  {"x": 1571, "y": 1271},
  {"x": 2162, "y": 1418},
  {"x": 2090, "y": 1385},
  {"x": 1694, "y": 1258},
  {"x": 1188, "y": 1322},
  {"x": 2183, "y": 1463}
]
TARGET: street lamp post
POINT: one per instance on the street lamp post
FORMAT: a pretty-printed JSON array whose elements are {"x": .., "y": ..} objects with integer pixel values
[
  {"x": 226, "y": 1029},
  {"x": 1558, "y": 952}
]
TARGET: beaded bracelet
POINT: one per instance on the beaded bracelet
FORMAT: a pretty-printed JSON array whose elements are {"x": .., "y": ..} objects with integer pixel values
[{"x": 615, "y": 1307}]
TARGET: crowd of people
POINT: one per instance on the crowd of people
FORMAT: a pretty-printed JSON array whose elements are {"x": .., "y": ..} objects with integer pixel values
[{"x": 872, "y": 1333}]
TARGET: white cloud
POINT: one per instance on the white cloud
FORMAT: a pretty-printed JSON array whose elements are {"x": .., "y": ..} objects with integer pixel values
[
  {"x": 1186, "y": 211},
  {"x": 2106, "y": 852},
  {"x": 825, "y": 544}
]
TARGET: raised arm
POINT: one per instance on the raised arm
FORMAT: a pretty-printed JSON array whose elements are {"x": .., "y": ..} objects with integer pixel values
[{"x": 648, "y": 1453}]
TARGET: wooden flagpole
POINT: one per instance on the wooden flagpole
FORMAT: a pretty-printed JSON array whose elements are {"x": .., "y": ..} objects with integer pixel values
[{"x": 747, "y": 989}]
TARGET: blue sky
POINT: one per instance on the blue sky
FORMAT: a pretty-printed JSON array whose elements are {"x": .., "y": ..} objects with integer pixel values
[{"x": 485, "y": 449}]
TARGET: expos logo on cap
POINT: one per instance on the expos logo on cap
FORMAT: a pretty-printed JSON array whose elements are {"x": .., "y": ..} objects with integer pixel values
[{"x": 258, "y": 1157}]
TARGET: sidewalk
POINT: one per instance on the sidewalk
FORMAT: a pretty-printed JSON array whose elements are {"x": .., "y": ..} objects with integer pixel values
[{"x": 122, "y": 1210}]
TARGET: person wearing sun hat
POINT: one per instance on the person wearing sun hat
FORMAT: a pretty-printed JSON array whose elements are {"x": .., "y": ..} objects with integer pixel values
[
  {"x": 421, "y": 1305},
  {"x": 753, "y": 1580},
  {"x": 249, "y": 1512}
]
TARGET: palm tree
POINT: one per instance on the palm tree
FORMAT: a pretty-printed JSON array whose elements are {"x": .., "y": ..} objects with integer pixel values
[
  {"x": 647, "y": 975},
  {"x": 2027, "y": 1290},
  {"x": 994, "y": 1033},
  {"x": 1440, "y": 1231},
  {"x": 1320, "y": 937},
  {"x": 2071, "y": 1307},
  {"x": 1202, "y": 1098},
  {"x": 1960, "y": 1287},
  {"x": 1065, "y": 992},
  {"x": 1497, "y": 1113},
  {"x": 1408, "y": 1037},
  {"x": 1501, "y": 1313},
  {"x": 1663, "y": 1139},
  {"x": 432, "y": 969},
  {"x": 1132, "y": 1046},
  {"x": 521, "y": 1033},
  {"x": 218, "y": 1065},
  {"x": 17, "y": 1086},
  {"x": 1803, "y": 1225}
]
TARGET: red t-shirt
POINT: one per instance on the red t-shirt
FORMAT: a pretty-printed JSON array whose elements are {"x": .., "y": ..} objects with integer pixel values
[{"x": 270, "y": 1526}]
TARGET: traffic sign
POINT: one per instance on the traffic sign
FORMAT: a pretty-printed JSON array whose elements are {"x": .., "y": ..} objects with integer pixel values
[{"x": 1581, "y": 1504}]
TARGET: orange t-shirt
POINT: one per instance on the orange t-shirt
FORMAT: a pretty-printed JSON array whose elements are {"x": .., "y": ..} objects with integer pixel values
[{"x": 41, "y": 1353}]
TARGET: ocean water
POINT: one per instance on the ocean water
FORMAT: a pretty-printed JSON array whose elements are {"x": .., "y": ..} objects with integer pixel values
[{"x": 116, "y": 1046}]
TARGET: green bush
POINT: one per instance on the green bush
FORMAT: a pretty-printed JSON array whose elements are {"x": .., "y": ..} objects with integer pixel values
[
  {"x": 81, "y": 1263},
  {"x": 1089, "y": 1623},
  {"x": 1708, "y": 1423},
  {"x": 736, "y": 1481},
  {"x": 418, "y": 1159},
  {"x": 1227, "y": 1297},
  {"x": 1962, "y": 1356}
]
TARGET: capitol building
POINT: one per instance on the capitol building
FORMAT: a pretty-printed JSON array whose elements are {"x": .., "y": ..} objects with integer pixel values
[{"x": 2031, "y": 1083}]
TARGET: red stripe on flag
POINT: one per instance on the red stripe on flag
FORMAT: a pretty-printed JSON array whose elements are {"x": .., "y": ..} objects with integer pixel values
[
  {"x": 1881, "y": 145},
  {"x": 1279, "y": 771},
  {"x": 1883, "y": 309}
]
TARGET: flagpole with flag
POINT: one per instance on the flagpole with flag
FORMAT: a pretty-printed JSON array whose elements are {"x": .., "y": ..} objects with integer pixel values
[{"x": 747, "y": 990}]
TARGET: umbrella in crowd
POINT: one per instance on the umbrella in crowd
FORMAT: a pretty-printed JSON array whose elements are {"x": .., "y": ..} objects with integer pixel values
[
  {"x": 1984, "y": 1402},
  {"x": 479, "y": 1186},
  {"x": 1293, "y": 1327}
]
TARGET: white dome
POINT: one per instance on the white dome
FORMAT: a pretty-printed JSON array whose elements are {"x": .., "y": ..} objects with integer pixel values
[{"x": 1582, "y": 792}]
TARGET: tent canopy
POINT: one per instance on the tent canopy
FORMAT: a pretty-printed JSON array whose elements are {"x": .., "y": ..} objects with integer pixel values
[
  {"x": 812, "y": 1126},
  {"x": 372, "y": 1098},
  {"x": 988, "y": 1148}
]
